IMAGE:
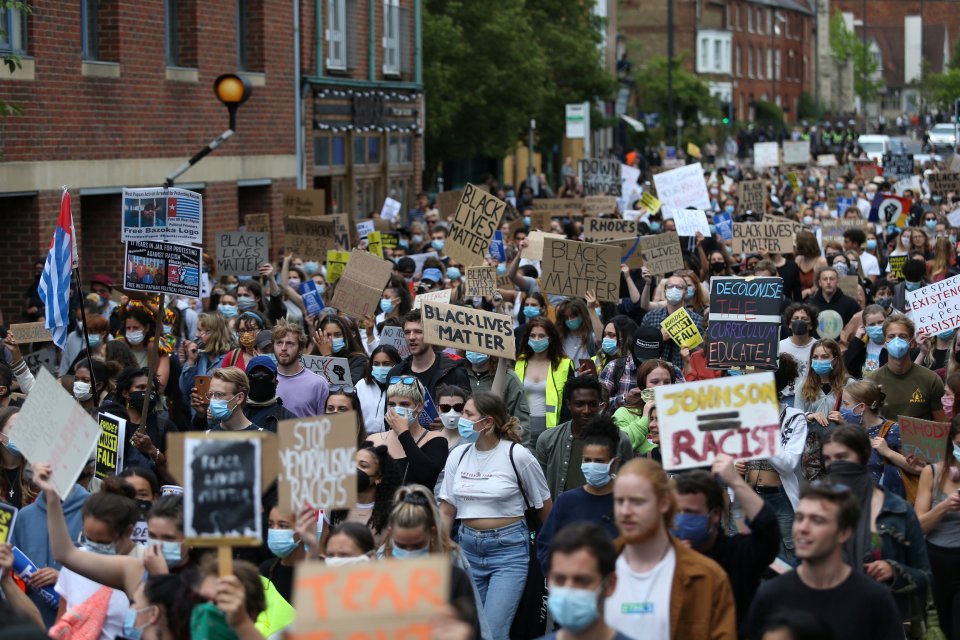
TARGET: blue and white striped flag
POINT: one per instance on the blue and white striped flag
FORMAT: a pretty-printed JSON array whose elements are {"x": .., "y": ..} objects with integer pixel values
[{"x": 55, "y": 282}]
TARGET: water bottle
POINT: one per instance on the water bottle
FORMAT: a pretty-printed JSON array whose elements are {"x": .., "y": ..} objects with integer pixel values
[{"x": 24, "y": 568}]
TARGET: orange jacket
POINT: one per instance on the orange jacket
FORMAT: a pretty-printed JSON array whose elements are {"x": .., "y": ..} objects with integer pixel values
[{"x": 701, "y": 600}]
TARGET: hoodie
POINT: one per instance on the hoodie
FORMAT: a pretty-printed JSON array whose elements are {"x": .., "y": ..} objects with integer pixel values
[{"x": 31, "y": 537}]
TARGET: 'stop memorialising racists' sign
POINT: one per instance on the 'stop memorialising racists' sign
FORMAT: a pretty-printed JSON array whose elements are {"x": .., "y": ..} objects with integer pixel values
[
  {"x": 601, "y": 177},
  {"x": 472, "y": 229}
]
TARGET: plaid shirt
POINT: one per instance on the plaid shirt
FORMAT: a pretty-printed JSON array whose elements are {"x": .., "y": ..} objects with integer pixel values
[
  {"x": 617, "y": 389},
  {"x": 670, "y": 351}
]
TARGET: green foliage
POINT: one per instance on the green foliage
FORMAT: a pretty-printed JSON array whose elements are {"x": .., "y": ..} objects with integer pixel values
[
  {"x": 847, "y": 46},
  {"x": 955, "y": 56},
  {"x": 807, "y": 107},
  {"x": 768, "y": 113},
  {"x": 691, "y": 96},
  {"x": 11, "y": 61},
  {"x": 489, "y": 67},
  {"x": 945, "y": 88}
]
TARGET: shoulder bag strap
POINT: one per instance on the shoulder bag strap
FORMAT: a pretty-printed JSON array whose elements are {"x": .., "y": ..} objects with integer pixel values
[{"x": 517, "y": 473}]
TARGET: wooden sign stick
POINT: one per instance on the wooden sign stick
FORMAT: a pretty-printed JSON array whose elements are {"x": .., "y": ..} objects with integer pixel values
[{"x": 225, "y": 560}]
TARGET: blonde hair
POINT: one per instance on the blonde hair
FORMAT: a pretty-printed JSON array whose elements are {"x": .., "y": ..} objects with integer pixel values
[
  {"x": 663, "y": 488},
  {"x": 414, "y": 507},
  {"x": 413, "y": 392},
  {"x": 218, "y": 333},
  {"x": 283, "y": 327},
  {"x": 868, "y": 392},
  {"x": 236, "y": 377},
  {"x": 505, "y": 426}
]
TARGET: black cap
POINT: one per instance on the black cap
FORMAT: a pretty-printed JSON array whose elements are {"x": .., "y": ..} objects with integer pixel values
[{"x": 647, "y": 346}]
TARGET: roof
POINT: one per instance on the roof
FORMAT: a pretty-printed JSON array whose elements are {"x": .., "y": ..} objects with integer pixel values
[{"x": 802, "y": 6}]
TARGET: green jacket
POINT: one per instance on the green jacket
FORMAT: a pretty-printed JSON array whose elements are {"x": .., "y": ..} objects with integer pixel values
[{"x": 553, "y": 454}]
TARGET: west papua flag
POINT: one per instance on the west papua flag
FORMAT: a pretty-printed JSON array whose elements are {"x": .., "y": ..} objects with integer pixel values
[{"x": 54, "y": 286}]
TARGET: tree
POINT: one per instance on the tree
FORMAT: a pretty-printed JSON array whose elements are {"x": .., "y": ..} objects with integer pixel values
[
  {"x": 846, "y": 46},
  {"x": 955, "y": 56},
  {"x": 11, "y": 61},
  {"x": 691, "y": 96},
  {"x": 807, "y": 107}
]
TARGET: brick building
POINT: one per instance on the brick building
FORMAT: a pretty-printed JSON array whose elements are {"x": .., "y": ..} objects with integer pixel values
[
  {"x": 117, "y": 93},
  {"x": 746, "y": 50}
]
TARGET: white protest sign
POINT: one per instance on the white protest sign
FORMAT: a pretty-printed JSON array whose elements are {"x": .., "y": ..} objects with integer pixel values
[
  {"x": 935, "y": 307},
  {"x": 954, "y": 218},
  {"x": 683, "y": 187},
  {"x": 335, "y": 370},
  {"x": 52, "y": 427},
  {"x": 629, "y": 189},
  {"x": 690, "y": 221},
  {"x": 912, "y": 183},
  {"x": 162, "y": 215},
  {"x": 826, "y": 160},
  {"x": 738, "y": 416},
  {"x": 390, "y": 210},
  {"x": 796, "y": 152},
  {"x": 766, "y": 154},
  {"x": 419, "y": 259},
  {"x": 441, "y": 295},
  {"x": 393, "y": 336},
  {"x": 365, "y": 228}
]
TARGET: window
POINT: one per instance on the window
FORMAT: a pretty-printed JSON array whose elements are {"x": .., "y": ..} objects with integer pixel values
[
  {"x": 759, "y": 20},
  {"x": 776, "y": 64},
  {"x": 737, "y": 61},
  {"x": 750, "y": 61},
  {"x": 181, "y": 33},
  {"x": 90, "y": 49},
  {"x": 717, "y": 55},
  {"x": 13, "y": 31},
  {"x": 750, "y": 19},
  {"x": 737, "y": 19},
  {"x": 336, "y": 35},
  {"x": 769, "y": 63},
  {"x": 391, "y": 37},
  {"x": 250, "y": 35},
  {"x": 359, "y": 150},
  {"x": 401, "y": 149},
  {"x": 373, "y": 150},
  {"x": 769, "y": 21},
  {"x": 704, "y": 52}
]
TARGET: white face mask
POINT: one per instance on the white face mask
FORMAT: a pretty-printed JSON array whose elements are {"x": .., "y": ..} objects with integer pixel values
[
  {"x": 449, "y": 419},
  {"x": 81, "y": 390},
  {"x": 343, "y": 562},
  {"x": 135, "y": 337}
]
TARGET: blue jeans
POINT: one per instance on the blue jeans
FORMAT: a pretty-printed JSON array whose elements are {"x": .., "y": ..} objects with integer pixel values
[
  {"x": 782, "y": 508},
  {"x": 498, "y": 563}
]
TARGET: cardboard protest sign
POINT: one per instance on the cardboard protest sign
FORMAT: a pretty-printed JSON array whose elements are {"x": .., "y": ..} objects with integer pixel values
[
  {"x": 738, "y": 416},
  {"x": 8, "y": 517},
  {"x": 895, "y": 264},
  {"x": 304, "y": 203},
  {"x": 752, "y": 196},
  {"x": 690, "y": 221},
  {"x": 312, "y": 300},
  {"x": 600, "y": 177},
  {"x": 316, "y": 461},
  {"x": 257, "y": 223},
  {"x": 52, "y": 427},
  {"x": 775, "y": 235},
  {"x": 744, "y": 328},
  {"x": 309, "y": 237},
  {"x": 241, "y": 253},
  {"x": 470, "y": 329},
  {"x": 480, "y": 281},
  {"x": 393, "y": 336},
  {"x": 41, "y": 359},
  {"x": 650, "y": 202},
  {"x": 447, "y": 202},
  {"x": 572, "y": 268},
  {"x": 113, "y": 430},
  {"x": 471, "y": 231},
  {"x": 826, "y": 160},
  {"x": 944, "y": 182},
  {"x": 796, "y": 152},
  {"x": 866, "y": 169},
  {"x": 560, "y": 207},
  {"x": 683, "y": 187},
  {"x": 661, "y": 253},
  {"x": 160, "y": 214},
  {"x": 361, "y": 286},
  {"x": 390, "y": 209},
  {"x": 335, "y": 370},
  {"x": 341, "y": 230},
  {"x": 28, "y": 332},
  {"x": 599, "y": 205},
  {"x": 766, "y": 154},
  {"x": 924, "y": 439},
  {"x": 535, "y": 240},
  {"x": 221, "y": 482},
  {"x": 682, "y": 329},
  {"x": 603, "y": 229},
  {"x": 385, "y": 599},
  {"x": 441, "y": 295},
  {"x": 849, "y": 284},
  {"x": 159, "y": 267},
  {"x": 336, "y": 263},
  {"x": 935, "y": 307}
]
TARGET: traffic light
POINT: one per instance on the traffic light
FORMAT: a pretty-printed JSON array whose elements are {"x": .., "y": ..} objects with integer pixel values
[{"x": 727, "y": 108}]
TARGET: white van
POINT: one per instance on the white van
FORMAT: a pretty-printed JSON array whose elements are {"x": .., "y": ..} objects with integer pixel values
[{"x": 875, "y": 146}]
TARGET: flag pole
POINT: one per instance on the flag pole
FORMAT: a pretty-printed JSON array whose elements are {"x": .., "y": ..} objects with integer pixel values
[{"x": 86, "y": 336}]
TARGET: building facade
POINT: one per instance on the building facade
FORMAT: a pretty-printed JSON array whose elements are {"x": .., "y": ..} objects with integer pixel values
[{"x": 118, "y": 93}]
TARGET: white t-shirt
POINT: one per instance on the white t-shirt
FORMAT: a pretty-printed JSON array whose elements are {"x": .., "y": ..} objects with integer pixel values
[
  {"x": 76, "y": 589},
  {"x": 640, "y": 605},
  {"x": 484, "y": 485},
  {"x": 802, "y": 354},
  {"x": 870, "y": 264}
]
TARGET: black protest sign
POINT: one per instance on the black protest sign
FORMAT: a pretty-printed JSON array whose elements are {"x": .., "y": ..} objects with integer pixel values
[
  {"x": 160, "y": 267},
  {"x": 110, "y": 445},
  {"x": 897, "y": 167},
  {"x": 600, "y": 177},
  {"x": 222, "y": 480},
  {"x": 240, "y": 253},
  {"x": 744, "y": 325}
]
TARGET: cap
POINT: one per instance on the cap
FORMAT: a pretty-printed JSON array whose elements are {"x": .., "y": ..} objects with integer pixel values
[
  {"x": 262, "y": 361},
  {"x": 649, "y": 342},
  {"x": 264, "y": 338},
  {"x": 432, "y": 274},
  {"x": 102, "y": 278}
]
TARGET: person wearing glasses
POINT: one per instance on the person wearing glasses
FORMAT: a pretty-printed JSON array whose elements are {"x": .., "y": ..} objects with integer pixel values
[
  {"x": 851, "y": 603},
  {"x": 675, "y": 291},
  {"x": 420, "y": 453},
  {"x": 431, "y": 367},
  {"x": 450, "y": 403},
  {"x": 229, "y": 390}
]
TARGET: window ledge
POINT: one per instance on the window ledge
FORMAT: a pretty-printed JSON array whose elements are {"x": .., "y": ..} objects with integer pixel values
[
  {"x": 182, "y": 74},
  {"x": 98, "y": 69},
  {"x": 256, "y": 79},
  {"x": 25, "y": 72}
]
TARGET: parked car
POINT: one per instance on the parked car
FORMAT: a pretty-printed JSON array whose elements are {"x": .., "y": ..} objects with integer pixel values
[
  {"x": 875, "y": 146},
  {"x": 943, "y": 136}
]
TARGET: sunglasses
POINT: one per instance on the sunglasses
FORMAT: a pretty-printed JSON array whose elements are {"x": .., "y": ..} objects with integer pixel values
[
  {"x": 831, "y": 487},
  {"x": 445, "y": 408},
  {"x": 341, "y": 388},
  {"x": 403, "y": 379}
]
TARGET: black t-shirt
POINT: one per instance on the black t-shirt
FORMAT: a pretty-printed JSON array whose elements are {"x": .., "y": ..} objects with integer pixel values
[
  {"x": 280, "y": 575},
  {"x": 858, "y": 609},
  {"x": 790, "y": 273}
]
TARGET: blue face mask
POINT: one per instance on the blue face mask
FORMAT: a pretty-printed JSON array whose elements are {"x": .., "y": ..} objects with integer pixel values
[
  {"x": 871, "y": 244},
  {"x": 247, "y": 303},
  {"x": 501, "y": 270},
  {"x": 849, "y": 416},
  {"x": 130, "y": 629},
  {"x": 875, "y": 333},
  {"x": 12, "y": 448},
  {"x": 912, "y": 286},
  {"x": 655, "y": 227},
  {"x": 597, "y": 474},
  {"x": 220, "y": 409},
  {"x": 386, "y": 305},
  {"x": 404, "y": 412},
  {"x": 531, "y": 312},
  {"x": 94, "y": 340},
  {"x": 172, "y": 551},
  {"x": 691, "y": 292},
  {"x": 311, "y": 267},
  {"x": 609, "y": 346},
  {"x": 821, "y": 367},
  {"x": 956, "y": 452},
  {"x": 437, "y": 245},
  {"x": 477, "y": 358},
  {"x": 228, "y": 310},
  {"x": 109, "y": 549},
  {"x": 281, "y": 542},
  {"x": 729, "y": 208},
  {"x": 466, "y": 430},
  {"x": 736, "y": 372},
  {"x": 526, "y": 221},
  {"x": 573, "y": 323},
  {"x": 898, "y": 347},
  {"x": 453, "y": 273},
  {"x": 931, "y": 224},
  {"x": 692, "y": 527},
  {"x": 946, "y": 335},
  {"x": 539, "y": 346},
  {"x": 574, "y": 609},
  {"x": 380, "y": 373},
  {"x": 338, "y": 344},
  {"x": 404, "y": 554}
]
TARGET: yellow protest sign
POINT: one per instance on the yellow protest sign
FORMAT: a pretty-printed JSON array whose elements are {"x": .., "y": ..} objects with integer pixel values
[
  {"x": 649, "y": 202},
  {"x": 693, "y": 150},
  {"x": 682, "y": 329},
  {"x": 375, "y": 243},
  {"x": 336, "y": 263}
]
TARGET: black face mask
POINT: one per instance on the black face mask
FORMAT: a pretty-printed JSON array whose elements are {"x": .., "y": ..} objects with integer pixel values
[
  {"x": 717, "y": 267},
  {"x": 144, "y": 506},
  {"x": 799, "y": 327},
  {"x": 136, "y": 400},
  {"x": 363, "y": 480},
  {"x": 262, "y": 388}
]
